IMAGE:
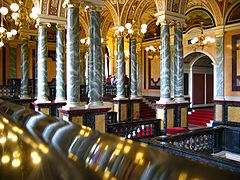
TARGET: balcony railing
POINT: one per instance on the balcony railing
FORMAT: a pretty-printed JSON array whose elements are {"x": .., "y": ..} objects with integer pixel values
[{"x": 135, "y": 129}]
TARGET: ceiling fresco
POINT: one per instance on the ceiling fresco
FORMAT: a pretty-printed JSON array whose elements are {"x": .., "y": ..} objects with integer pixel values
[
  {"x": 119, "y": 12},
  {"x": 196, "y": 16}
]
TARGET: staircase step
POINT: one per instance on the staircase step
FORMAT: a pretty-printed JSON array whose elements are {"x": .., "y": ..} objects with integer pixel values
[{"x": 201, "y": 117}]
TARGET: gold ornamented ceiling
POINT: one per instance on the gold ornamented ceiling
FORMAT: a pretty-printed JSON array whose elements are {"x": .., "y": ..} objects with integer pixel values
[{"x": 119, "y": 12}]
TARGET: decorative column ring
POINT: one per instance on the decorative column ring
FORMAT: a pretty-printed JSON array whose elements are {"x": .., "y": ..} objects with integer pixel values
[
  {"x": 42, "y": 96},
  {"x": 165, "y": 63},
  {"x": 178, "y": 64},
  {"x": 24, "y": 67},
  {"x": 60, "y": 73}
]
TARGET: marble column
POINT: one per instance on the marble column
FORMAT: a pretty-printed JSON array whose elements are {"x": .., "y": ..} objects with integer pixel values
[
  {"x": 73, "y": 85},
  {"x": 219, "y": 67},
  {"x": 42, "y": 64},
  {"x": 12, "y": 62},
  {"x": 133, "y": 57},
  {"x": 103, "y": 70},
  {"x": 95, "y": 61},
  {"x": 120, "y": 68},
  {"x": 24, "y": 68},
  {"x": 139, "y": 73},
  {"x": 178, "y": 65},
  {"x": 165, "y": 63},
  {"x": 172, "y": 50},
  {"x": 82, "y": 68},
  {"x": 60, "y": 47}
]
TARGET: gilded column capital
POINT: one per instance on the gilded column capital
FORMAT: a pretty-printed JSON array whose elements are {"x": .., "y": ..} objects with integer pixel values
[
  {"x": 70, "y": 3},
  {"x": 42, "y": 25},
  {"x": 61, "y": 26}
]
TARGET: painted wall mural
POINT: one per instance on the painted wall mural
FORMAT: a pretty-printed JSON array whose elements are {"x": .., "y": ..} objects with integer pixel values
[
  {"x": 234, "y": 15},
  {"x": 153, "y": 32},
  {"x": 194, "y": 17}
]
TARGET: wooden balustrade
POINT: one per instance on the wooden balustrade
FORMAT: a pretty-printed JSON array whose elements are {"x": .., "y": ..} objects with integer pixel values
[{"x": 135, "y": 129}]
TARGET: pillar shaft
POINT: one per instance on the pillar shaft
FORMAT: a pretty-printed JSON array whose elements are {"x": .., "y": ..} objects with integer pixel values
[
  {"x": 165, "y": 63},
  {"x": 120, "y": 68},
  {"x": 220, "y": 67},
  {"x": 95, "y": 60},
  {"x": 73, "y": 85},
  {"x": 139, "y": 74},
  {"x": 178, "y": 65},
  {"x": 60, "y": 46},
  {"x": 103, "y": 70},
  {"x": 42, "y": 65},
  {"x": 133, "y": 87},
  {"x": 12, "y": 62},
  {"x": 82, "y": 68},
  {"x": 24, "y": 68}
]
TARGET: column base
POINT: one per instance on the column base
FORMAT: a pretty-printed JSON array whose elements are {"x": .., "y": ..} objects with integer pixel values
[
  {"x": 134, "y": 97},
  {"x": 165, "y": 101},
  {"x": 94, "y": 118},
  {"x": 120, "y": 98},
  {"x": 49, "y": 108},
  {"x": 135, "y": 108},
  {"x": 181, "y": 99},
  {"x": 72, "y": 106},
  {"x": 43, "y": 100},
  {"x": 121, "y": 107},
  {"x": 25, "y": 97},
  {"x": 98, "y": 104},
  {"x": 172, "y": 114},
  {"x": 60, "y": 100}
]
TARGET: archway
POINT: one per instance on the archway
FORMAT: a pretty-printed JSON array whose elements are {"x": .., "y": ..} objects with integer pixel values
[{"x": 200, "y": 69}]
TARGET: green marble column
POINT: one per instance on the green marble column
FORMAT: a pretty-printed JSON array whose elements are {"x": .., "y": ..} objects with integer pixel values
[
  {"x": 24, "y": 68},
  {"x": 95, "y": 61},
  {"x": 60, "y": 72}
]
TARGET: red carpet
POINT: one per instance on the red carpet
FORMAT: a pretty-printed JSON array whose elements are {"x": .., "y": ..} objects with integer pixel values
[
  {"x": 201, "y": 117},
  {"x": 146, "y": 112}
]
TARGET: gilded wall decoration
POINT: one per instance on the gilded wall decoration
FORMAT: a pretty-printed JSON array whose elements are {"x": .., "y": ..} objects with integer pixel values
[
  {"x": 53, "y": 7},
  {"x": 194, "y": 17},
  {"x": 44, "y": 6},
  {"x": 175, "y": 6},
  {"x": 153, "y": 32},
  {"x": 234, "y": 15}
]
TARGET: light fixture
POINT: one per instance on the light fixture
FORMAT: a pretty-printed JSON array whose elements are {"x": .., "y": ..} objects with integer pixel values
[
  {"x": 19, "y": 16},
  {"x": 85, "y": 41},
  {"x": 133, "y": 30},
  {"x": 4, "y": 34},
  {"x": 153, "y": 50},
  {"x": 202, "y": 40}
]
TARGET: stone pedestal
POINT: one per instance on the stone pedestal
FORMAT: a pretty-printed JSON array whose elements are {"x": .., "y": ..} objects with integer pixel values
[
  {"x": 94, "y": 118},
  {"x": 48, "y": 108},
  {"x": 121, "y": 107},
  {"x": 135, "y": 108},
  {"x": 172, "y": 114}
]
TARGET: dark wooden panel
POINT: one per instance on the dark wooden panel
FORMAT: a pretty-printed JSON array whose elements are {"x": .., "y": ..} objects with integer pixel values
[
  {"x": 209, "y": 88},
  {"x": 198, "y": 89}
]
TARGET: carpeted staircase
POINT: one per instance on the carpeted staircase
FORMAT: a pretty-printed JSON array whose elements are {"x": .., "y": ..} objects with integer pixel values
[
  {"x": 201, "y": 117},
  {"x": 146, "y": 111}
]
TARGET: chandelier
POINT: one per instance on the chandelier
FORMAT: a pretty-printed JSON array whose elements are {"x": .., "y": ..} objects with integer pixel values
[
  {"x": 202, "y": 40},
  {"x": 131, "y": 29},
  {"x": 19, "y": 16}
]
